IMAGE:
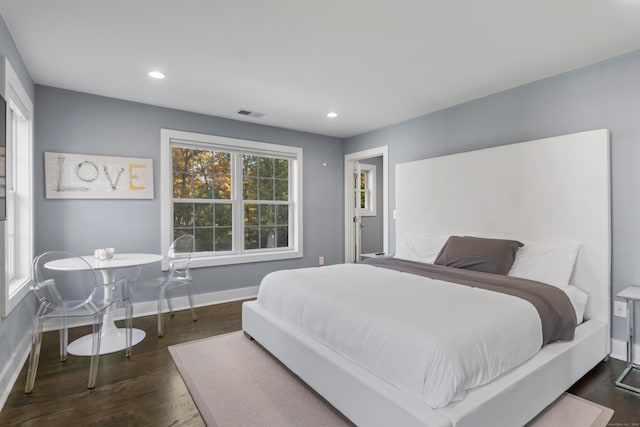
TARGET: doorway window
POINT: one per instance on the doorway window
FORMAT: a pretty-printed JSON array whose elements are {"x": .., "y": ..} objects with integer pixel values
[{"x": 367, "y": 190}]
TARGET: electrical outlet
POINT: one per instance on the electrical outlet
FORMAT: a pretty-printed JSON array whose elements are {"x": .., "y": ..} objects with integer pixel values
[
  {"x": 620, "y": 308},
  {"x": 321, "y": 260}
]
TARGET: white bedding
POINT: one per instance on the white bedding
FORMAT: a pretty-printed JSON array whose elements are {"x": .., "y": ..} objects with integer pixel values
[{"x": 432, "y": 339}]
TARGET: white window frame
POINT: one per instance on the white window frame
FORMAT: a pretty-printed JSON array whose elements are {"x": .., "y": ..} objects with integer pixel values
[
  {"x": 369, "y": 190},
  {"x": 16, "y": 286},
  {"x": 237, "y": 255}
]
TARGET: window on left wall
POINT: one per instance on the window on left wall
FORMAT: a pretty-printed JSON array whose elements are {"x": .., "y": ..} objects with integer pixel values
[{"x": 17, "y": 230}]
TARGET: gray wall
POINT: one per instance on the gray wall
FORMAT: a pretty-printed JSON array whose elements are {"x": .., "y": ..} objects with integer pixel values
[
  {"x": 372, "y": 239},
  {"x": 76, "y": 122},
  {"x": 604, "y": 95},
  {"x": 18, "y": 322}
]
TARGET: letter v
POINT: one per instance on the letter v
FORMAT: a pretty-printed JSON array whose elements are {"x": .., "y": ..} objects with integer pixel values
[{"x": 114, "y": 185}]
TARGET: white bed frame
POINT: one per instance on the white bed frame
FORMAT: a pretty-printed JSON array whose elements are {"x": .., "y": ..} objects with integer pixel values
[{"x": 554, "y": 189}]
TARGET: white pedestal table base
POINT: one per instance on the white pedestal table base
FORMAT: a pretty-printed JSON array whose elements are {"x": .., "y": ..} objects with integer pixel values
[{"x": 115, "y": 340}]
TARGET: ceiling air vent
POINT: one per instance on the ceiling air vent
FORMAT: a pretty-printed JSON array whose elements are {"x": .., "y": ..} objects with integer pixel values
[{"x": 250, "y": 113}]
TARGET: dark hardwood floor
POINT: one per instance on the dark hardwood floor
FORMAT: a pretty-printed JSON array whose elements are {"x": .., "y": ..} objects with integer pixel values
[
  {"x": 599, "y": 386},
  {"x": 147, "y": 390}
]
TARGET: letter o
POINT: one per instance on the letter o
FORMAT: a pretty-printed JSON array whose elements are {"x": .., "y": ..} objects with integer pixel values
[{"x": 89, "y": 175}]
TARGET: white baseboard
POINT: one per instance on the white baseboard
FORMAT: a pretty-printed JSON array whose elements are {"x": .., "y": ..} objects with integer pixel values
[
  {"x": 619, "y": 350},
  {"x": 149, "y": 308},
  {"x": 11, "y": 370}
]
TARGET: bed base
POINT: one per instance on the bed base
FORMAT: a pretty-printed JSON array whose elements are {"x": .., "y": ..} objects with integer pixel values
[{"x": 513, "y": 399}]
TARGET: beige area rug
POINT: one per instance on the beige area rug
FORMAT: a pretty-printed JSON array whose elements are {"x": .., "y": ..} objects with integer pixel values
[
  {"x": 573, "y": 411},
  {"x": 235, "y": 382}
]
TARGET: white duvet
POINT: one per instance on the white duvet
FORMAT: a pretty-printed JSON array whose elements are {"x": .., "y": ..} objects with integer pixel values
[{"x": 430, "y": 338}]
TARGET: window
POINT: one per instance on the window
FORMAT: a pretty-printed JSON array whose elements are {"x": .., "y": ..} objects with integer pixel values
[
  {"x": 202, "y": 197},
  {"x": 240, "y": 199},
  {"x": 367, "y": 190},
  {"x": 18, "y": 227}
]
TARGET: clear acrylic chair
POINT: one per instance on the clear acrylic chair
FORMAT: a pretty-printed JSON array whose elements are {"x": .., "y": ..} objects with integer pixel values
[
  {"x": 72, "y": 294},
  {"x": 178, "y": 274}
]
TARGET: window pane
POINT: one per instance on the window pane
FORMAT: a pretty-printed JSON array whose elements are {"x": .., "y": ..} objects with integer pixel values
[
  {"x": 265, "y": 167},
  {"x": 203, "y": 162},
  {"x": 222, "y": 163},
  {"x": 282, "y": 189},
  {"x": 181, "y": 159},
  {"x": 182, "y": 214},
  {"x": 265, "y": 189},
  {"x": 202, "y": 186},
  {"x": 203, "y": 214},
  {"x": 282, "y": 215},
  {"x": 249, "y": 165},
  {"x": 250, "y": 189},
  {"x": 204, "y": 239},
  {"x": 222, "y": 187},
  {"x": 251, "y": 237},
  {"x": 363, "y": 180},
  {"x": 177, "y": 232},
  {"x": 251, "y": 214},
  {"x": 224, "y": 238},
  {"x": 267, "y": 215},
  {"x": 282, "y": 237},
  {"x": 182, "y": 186},
  {"x": 223, "y": 215},
  {"x": 281, "y": 167},
  {"x": 267, "y": 237}
]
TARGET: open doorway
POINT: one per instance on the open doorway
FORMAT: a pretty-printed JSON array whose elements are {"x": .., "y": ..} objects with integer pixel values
[{"x": 366, "y": 203}]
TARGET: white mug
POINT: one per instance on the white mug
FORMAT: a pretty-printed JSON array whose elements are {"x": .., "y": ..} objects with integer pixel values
[{"x": 99, "y": 254}]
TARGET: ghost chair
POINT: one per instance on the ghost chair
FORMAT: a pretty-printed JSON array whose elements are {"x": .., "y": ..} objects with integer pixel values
[
  {"x": 68, "y": 289},
  {"x": 178, "y": 275}
]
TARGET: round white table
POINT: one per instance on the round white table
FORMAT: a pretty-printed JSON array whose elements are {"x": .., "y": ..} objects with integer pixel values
[{"x": 111, "y": 338}]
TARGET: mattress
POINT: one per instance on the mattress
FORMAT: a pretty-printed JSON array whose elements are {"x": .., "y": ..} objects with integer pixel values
[{"x": 431, "y": 339}]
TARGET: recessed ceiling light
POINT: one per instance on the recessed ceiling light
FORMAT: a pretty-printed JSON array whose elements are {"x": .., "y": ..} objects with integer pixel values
[
  {"x": 332, "y": 115},
  {"x": 156, "y": 75}
]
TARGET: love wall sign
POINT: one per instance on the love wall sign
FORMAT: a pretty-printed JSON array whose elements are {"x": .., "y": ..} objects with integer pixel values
[{"x": 80, "y": 176}]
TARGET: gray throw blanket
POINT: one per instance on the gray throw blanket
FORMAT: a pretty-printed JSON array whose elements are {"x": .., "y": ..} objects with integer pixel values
[{"x": 556, "y": 312}]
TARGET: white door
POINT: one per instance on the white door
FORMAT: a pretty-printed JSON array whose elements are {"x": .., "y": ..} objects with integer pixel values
[
  {"x": 356, "y": 229},
  {"x": 352, "y": 194}
]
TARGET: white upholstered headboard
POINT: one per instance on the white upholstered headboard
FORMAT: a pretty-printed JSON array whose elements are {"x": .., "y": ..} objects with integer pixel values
[{"x": 549, "y": 190}]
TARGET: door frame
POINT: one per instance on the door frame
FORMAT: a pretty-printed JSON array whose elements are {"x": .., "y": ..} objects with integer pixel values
[{"x": 349, "y": 159}]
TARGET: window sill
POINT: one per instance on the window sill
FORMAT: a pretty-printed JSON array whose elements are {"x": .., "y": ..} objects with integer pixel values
[
  {"x": 216, "y": 260},
  {"x": 18, "y": 289}
]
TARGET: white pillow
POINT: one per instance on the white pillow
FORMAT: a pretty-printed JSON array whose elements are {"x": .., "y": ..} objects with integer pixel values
[
  {"x": 578, "y": 300},
  {"x": 546, "y": 262},
  {"x": 414, "y": 247}
]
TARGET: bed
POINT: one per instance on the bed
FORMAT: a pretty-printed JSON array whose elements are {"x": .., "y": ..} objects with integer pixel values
[{"x": 551, "y": 190}]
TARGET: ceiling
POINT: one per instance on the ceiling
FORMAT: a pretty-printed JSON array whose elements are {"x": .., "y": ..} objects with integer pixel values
[{"x": 374, "y": 62}]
